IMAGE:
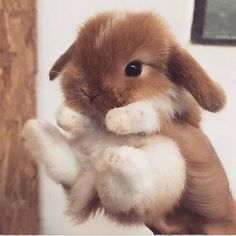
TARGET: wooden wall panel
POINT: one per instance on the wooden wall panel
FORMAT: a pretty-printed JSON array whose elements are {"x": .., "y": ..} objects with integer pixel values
[{"x": 18, "y": 174}]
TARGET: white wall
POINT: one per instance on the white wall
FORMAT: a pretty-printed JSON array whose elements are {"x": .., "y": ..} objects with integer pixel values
[{"x": 58, "y": 21}]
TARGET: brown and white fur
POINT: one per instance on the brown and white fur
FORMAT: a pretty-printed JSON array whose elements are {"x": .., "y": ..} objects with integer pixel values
[{"x": 133, "y": 146}]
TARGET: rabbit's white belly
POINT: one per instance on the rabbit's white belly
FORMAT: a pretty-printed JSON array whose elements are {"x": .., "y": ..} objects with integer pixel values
[
  {"x": 133, "y": 170},
  {"x": 128, "y": 172},
  {"x": 90, "y": 147},
  {"x": 146, "y": 173}
]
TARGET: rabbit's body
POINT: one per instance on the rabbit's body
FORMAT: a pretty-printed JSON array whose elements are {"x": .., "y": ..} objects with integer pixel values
[
  {"x": 135, "y": 149},
  {"x": 126, "y": 172},
  {"x": 106, "y": 171}
]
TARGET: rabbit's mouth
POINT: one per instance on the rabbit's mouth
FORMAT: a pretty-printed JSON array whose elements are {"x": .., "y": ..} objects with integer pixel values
[{"x": 90, "y": 97}]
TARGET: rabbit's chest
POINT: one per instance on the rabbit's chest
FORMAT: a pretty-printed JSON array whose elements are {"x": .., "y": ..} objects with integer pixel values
[{"x": 91, "y": 147}]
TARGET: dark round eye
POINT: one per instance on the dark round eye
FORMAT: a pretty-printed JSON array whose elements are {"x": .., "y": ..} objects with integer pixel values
[{"x": 134, "y": 68}]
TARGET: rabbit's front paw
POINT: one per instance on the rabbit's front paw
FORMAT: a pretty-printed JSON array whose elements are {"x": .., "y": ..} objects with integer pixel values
[
  {"x": 48, "y": 146},
  {"x": 38, "y": 133},
  {"x": 33, "y": 133},
  {"x": 123, "y": 178},
  {"x": 131, "y": 119},
  {"x": 72, "y": 121}
]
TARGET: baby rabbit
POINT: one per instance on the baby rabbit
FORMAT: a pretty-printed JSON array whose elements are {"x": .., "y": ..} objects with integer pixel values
[{"x": 133, "y": 145}]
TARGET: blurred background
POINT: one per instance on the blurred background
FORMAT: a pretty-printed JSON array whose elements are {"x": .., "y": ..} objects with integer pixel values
[{"x": 33, "y": 33}]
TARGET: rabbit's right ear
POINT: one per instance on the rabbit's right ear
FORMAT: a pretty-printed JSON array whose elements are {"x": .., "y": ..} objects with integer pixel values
[
  {"x": 184, "y": 70},
  {"x": 60, "y": 63}
]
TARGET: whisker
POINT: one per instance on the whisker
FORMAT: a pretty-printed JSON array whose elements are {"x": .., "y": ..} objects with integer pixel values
[
  {"x": 57, "y": 72},
  {"x": 84, "y": 92}
]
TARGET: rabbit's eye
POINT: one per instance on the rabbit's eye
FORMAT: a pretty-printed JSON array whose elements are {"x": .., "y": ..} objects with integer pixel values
[{"x": 134, "y": 68}]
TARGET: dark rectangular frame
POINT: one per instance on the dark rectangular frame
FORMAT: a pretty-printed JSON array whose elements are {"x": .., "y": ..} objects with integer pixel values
[{"x": 198, "y": 26}]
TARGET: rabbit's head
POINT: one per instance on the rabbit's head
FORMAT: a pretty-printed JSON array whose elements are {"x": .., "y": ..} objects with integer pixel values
[{"x": 120, "y": 58}]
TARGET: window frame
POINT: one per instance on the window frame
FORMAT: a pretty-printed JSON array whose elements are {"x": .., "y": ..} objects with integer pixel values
[{"x": 198, "y": 27}]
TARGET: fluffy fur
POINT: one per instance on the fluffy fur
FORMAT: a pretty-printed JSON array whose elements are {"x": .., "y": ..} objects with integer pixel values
[
  {"x": 48, "y": 146},
  {"x": 127, "y": 172},
  {"x": 135, "y": 147}
]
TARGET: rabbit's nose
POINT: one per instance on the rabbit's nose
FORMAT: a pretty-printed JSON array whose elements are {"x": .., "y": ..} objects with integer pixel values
[{"x": 92, "y": 99}]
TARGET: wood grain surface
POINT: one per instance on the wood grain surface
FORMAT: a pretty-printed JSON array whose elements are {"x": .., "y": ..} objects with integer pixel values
[{"x": 18, "y": 174}]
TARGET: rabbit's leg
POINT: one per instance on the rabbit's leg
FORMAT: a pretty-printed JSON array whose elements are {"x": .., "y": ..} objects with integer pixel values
[
  {"x": 154, "y": 173},
  {"x": 48, "y": 146},
  {"x": 169, "y": 171},
  {"x": 124, "y": 178},
  {"x": 83, "y": 199}
]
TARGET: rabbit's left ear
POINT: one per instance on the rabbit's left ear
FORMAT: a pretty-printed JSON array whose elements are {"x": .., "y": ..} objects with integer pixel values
[
  {"x": 184, "y": 70},
  {"x": 60, "y": 63}
]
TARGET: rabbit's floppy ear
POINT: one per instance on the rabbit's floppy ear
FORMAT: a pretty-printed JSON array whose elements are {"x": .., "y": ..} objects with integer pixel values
[
  {"x": 184, "y": 70},
  {"x": 60, "y": 63}
]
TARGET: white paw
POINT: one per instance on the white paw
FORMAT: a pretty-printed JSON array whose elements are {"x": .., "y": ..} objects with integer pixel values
[
  {"x": 50, "y": 148},
  {"x": 72, "y": 121},
  {"x": 33, "y": 133},
  {"x": 131, "y": 119},
  {"x": 124, "y": 160},
  {"x": 36, "y": 132},
  {"x": 123, "y": 178}
]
